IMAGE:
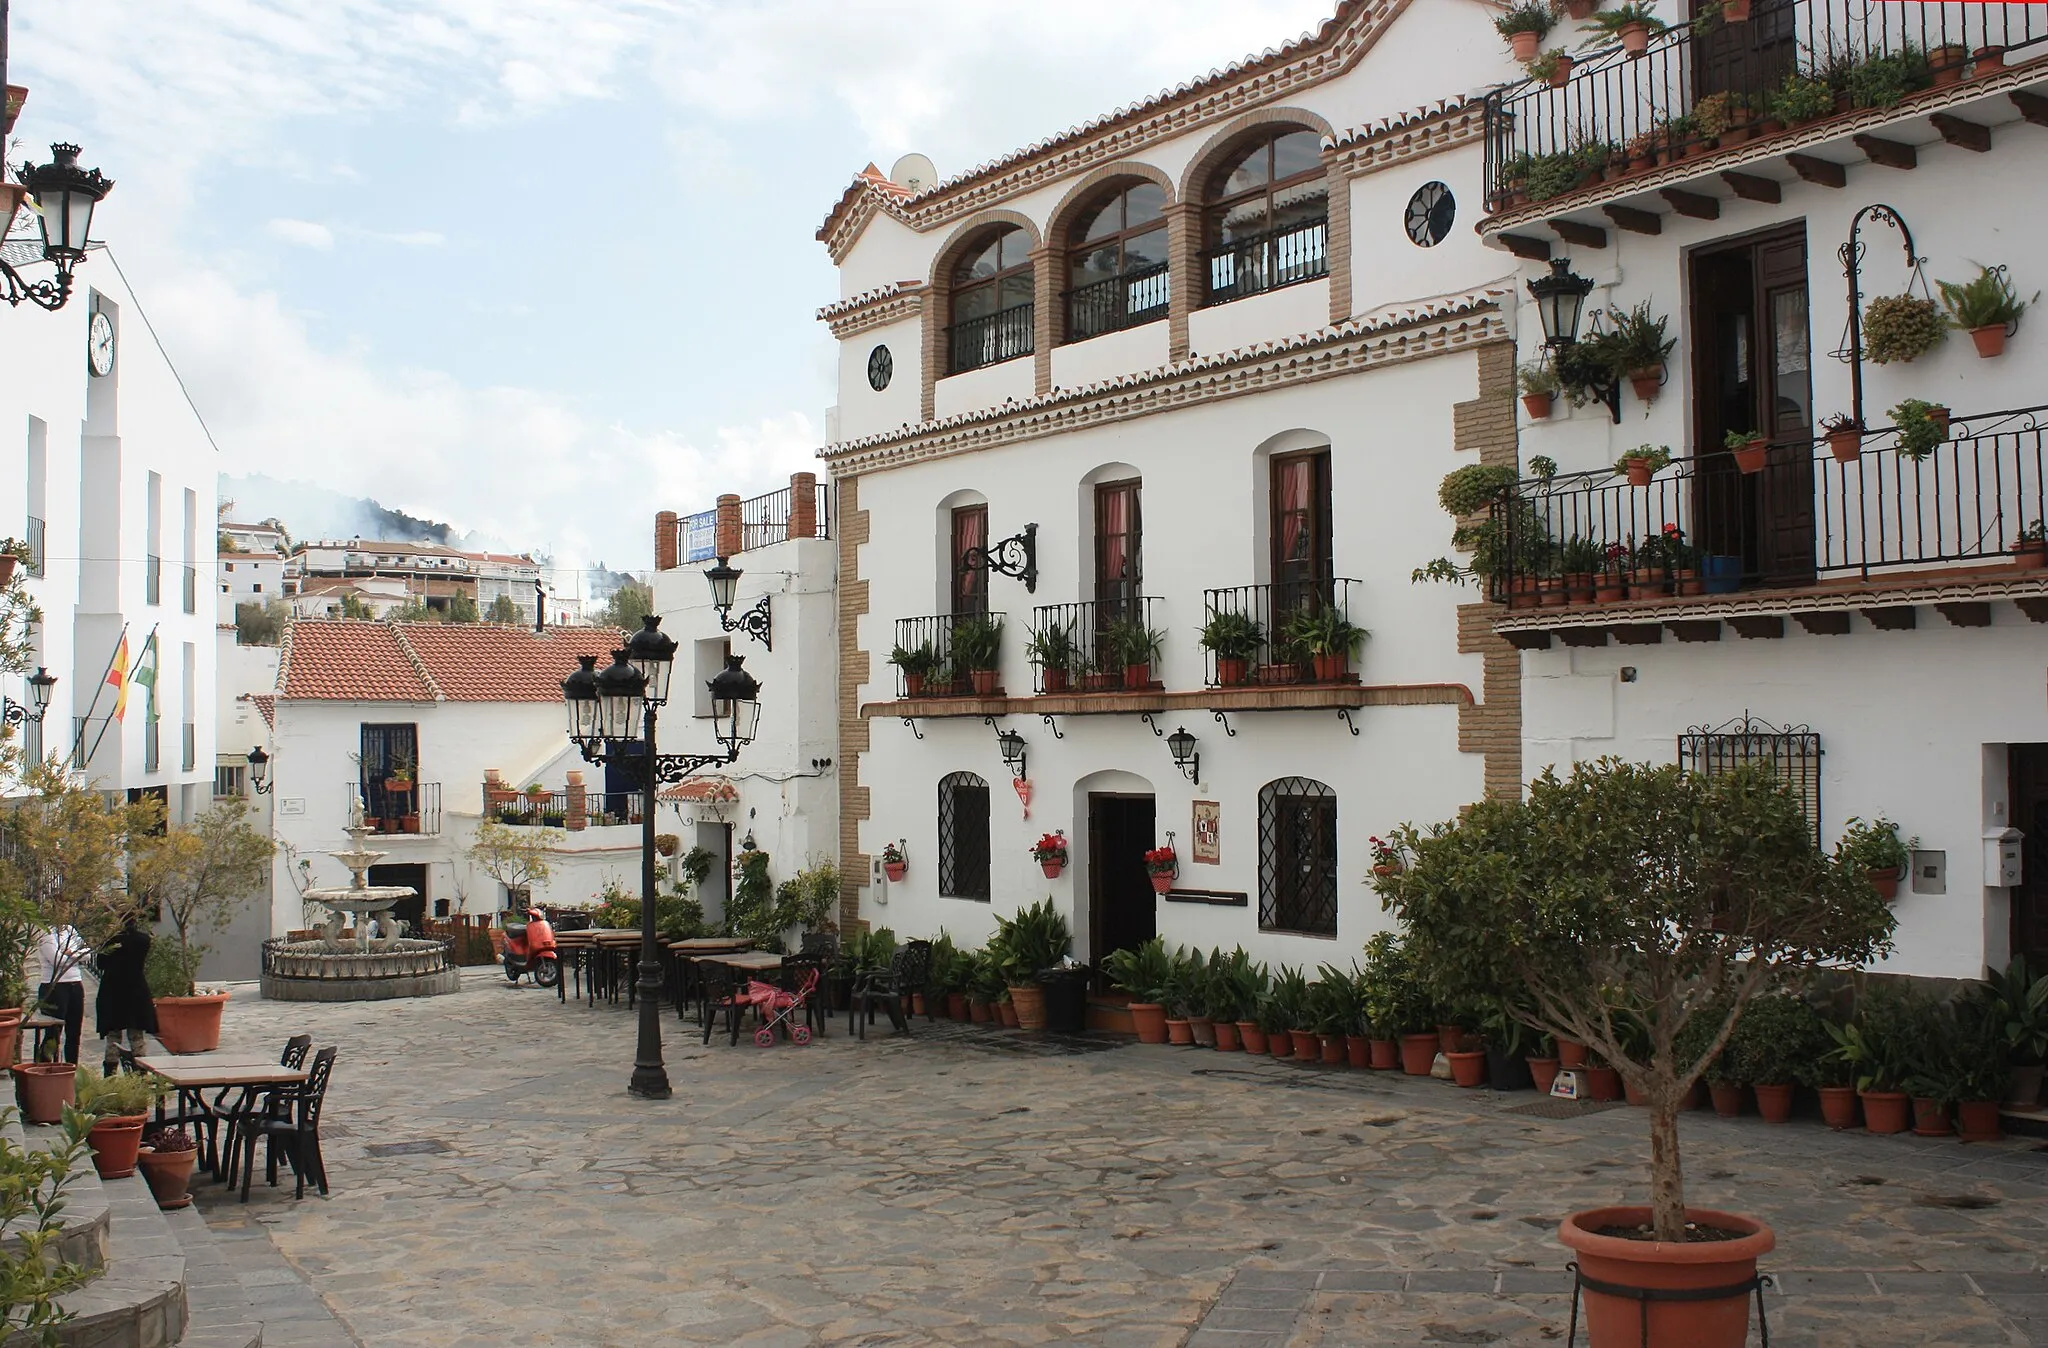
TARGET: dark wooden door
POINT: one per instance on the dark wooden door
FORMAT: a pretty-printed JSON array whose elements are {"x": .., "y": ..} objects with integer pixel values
[
  {"x": 385, "y": 747},
  {"x": 1303, "y": 562},
  {"x": 1748, "y": 58},
  {"x": 411, "y": 911},
  {"x": 1122, "y": 907},
  {"x": 2030, "y": 816},
  {"x": 970, "y": 586}
]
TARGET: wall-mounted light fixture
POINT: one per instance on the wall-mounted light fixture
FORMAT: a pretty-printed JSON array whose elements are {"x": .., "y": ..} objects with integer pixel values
[
  {"x": 756, "y": 622},
  {"x": 1561, "y": 304},
  {"x": 1016, "y": 556},
  {"x": 259, "y": 771},
  {"x": 1182, "y": 746},
  {"x": 1012, "y": 745}
]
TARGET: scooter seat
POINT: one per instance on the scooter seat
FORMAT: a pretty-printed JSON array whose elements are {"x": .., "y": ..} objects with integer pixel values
[{"x": 515, "y": 931}]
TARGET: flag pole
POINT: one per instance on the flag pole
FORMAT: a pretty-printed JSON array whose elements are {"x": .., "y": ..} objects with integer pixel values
[{"x": 93, "y": 706}]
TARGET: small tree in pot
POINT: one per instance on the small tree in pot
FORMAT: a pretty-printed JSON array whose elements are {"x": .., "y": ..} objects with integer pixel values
[
  {"x": 198, "y": 875},
  {"x": 1674, "y": 893}
]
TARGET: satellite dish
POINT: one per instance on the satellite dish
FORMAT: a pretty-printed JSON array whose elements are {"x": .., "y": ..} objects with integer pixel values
[{"x": 915, "y": 172}]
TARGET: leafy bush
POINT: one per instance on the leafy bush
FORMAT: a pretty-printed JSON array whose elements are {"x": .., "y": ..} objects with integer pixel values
[
  {"x": 1919, "y": 431},
  {"x": 1036, "y": 938},
  {"x": 1145, "y": 971},
  {"x": 1874, "y": 846},
  {"x": 122, "y": 1095},
  {"x": 1901, "y": 328}
]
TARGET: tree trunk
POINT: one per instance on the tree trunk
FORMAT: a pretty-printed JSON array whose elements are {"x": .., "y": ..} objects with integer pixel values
[{"x": 1667, "y": 1178}]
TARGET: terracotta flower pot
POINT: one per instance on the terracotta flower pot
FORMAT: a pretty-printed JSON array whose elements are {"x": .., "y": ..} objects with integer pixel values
[
  {"x": 1418, "y": 1053},
  {"x": 1382, "y": 1055},
  {"x": 1581, "y": 9},
  {"x": 44, "y": 1088},
  {"x": 1938, "y": 417},
  {"x": 1989, "y": 341},
  {"x": 190, "y": 1024},
  {"x": 10, "y": 1040},
  {"x": 169, "y": 1174},
  {"x": 1838, "y": 1106},
  {"x": 895, "y": 870},
  {"x": 1006, "y": 1012},
  {"x": 1635, "y": 38},
  {"x": 1468, "y": 1069},
  {"x": 1570, "y": 1054},
  {"x": 913, "y": 685},
  {"x": 1537, "y": 405},
  {"x": 1232, "y": 671},
  {"x": 1727, "y": 1099},
  {"x": 917, "y": 1003},
  {"x": 1735, "y": 11},
  {"x": 956, "y": 1005},
  {"x": 1634, "y": 1097},
  {"x": 983, "y": 681},
  {"x": 2023, "y": 1085},
  {"x": 1052, "y": 869},
  {"x": 1646, "y": 383},
  {"x": 1307, "y": 1045},
  {"x": 1544, "y": 1072},
  {"x": 1162, "y": 882},
  {"x": 977, "y": 1013},
  {"x": 1613, "y": 1320},
  {"x": 1254, "y": 1038},
  {"x": 1357, "y": 1051},
  {"x": 1055, "y": 681},
  {"x": 1947, "y": 64},
  {"x": 1149, "y": 1018},
  {"x": 1609, "y": 589},
  {"x": 1602, "y": 1083},
  {"x": 1227, "y": 1040},
  {"x": 1886, "y": 883},
  {"x": 114, "y": 1142},
  {"x": 1138, "y": 677},
  {"x": 1750, "y": 458},
  {"x": 1333, "y": 1050},
  {"x": 1977, "y": 1121},
  {"x": 2030, "y": 556},
  {"x": 1774, "y": 1103},
  {"x": 1525, "y": 45},
  {"x": 1885, "y": 1111},
  {"x": 1177, "y": 1031},
  {"x": 1203, "y": 1030},
  {"x": 1930, "y": 1118},
  {"x": 1330, "y": 668},
  {"x": 1639, "y": 472},
  {"x": 1987, "y": 60},
  {"x": 1029, "y": 999},
  {"x": 1846, "y": 446},
  {"x": 1561, "y": 73}
]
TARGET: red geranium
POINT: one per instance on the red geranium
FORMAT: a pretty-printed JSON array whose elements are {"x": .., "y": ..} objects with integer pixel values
[
  {"x": 1161, "y": 861},
  {"x": 1050, "y": 847}
]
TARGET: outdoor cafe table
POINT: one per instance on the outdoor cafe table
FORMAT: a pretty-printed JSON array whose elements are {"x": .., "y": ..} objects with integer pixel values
[
  {"x": 194, "y": 1074},
  {"x": 752, "y": 961}
]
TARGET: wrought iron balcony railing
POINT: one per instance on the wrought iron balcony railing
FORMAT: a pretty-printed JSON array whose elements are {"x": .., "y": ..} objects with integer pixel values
[
  {"x": 1973, "y": 502},
  {"x": 1117, "y": 302},
  {"x": 1004, "y": 335},
  {"x": 1087, "y": 648},
  {"x": 1260, "y": 262},
  {"x": 1697, "y": 89},
  {"x": 560, "y": 809},
  {"x": 1260, "y": 631},
  {"x": 935, "y": 668},
  {"x": 38, "y": 545},
  {"x": 773, "y": 518},
  {"x": 391, "y": 810}
]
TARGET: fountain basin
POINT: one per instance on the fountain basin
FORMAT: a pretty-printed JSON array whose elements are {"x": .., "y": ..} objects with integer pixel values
[{"x": 312, "y": 971}]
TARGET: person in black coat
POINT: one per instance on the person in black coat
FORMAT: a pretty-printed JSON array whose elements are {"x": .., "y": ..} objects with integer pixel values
[{"x": 125, "y": 1006}]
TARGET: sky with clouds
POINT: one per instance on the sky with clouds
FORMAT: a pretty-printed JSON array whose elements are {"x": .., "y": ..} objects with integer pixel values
[{"x": 542, "y": 267}]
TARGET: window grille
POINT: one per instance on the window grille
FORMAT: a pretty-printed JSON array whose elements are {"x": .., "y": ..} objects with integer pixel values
[
  {"x": 227, "y": 780},
  {"x": 1298, "y": 857},
  {"x": 1792, "y": 752},
  {"x": 963, "y": 837}
]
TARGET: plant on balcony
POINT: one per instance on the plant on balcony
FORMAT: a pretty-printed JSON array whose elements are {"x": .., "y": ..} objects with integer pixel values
[
  {"x": 1901, "y": 328},
  {"x": 1525, "y": 26},
  {"x": 1587, "y": 367},
  {"x": 1639, "y": 348},
  {"x": 1874, "y": 849},
  {"x": 1602, "y": 160},
  {"x": 1329, "y": 637},
  {"x": 1052, "y": 648},
  {"x": 2030, "y": 548},
  {"x": 1579, "y": 559},
  {"x": 1986, "y": 307},
  {"x": 1676, "y": 136},
  {"x": 1136, "y": 646},
  {"x": 1234, "y": 638},
  {"x": 1750, "y": 449},
  {"x": 918, "y": 664},
  {"x": 1542, "y": 467},
  {"x": 1471, "y": 491},
  {"x": 1642, "y": 463},
  {"x": 1576, "y": 9},
  {"x": 977, "y": 649},
  {"x": 1554, "y": 67},
  {"x": 1921, "y": 426},
  {"x": 1845, "y": 436},
  {"x": 1539, "y": 384},
  {"x": 1553, "y": 175},
  {"x": 1884, "y": 81},
  {"x": 1721, "y": 11},
  {"x": 1683, "y": 559},
  {"x": 1632, "y": 25},
  {"x": 1801, "y": 99},
  {"x": 403, "y": 765}
]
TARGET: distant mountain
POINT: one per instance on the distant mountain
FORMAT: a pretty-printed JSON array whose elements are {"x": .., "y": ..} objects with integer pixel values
[{"x": 311, "y": 512}]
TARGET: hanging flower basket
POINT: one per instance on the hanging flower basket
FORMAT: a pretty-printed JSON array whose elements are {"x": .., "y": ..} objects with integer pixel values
[
  {"x": 894, "y": 863},
  {"x": 1050, "y": 852},
  {"x": 1162, "y": 865}
]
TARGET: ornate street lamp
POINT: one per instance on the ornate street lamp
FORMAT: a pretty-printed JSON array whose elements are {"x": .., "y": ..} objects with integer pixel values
[
  {"x": 40, "y": 685},
  {"x": 1011, "y": 744},
  {"x": 1182, "y": 746},
  {"x": 259, "y": 771},
  {"x": 1560, "y": 304},
  {"x": 65, "y": 195},
  {"x": 755, "y": 622},
  {"x": 612, "y": 715}
]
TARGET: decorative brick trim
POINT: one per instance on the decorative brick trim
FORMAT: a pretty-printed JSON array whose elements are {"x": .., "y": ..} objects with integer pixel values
[
  {"x": 853, "y": 673},
  {"x": 938, "y": 299},
  {"x": 906, "y": 301},
  {"x": 1292, "y": 697},
  {"x": 725, "y": 530},
  {"x": 1223, "y": 142},
  {"x": 1046, "y": 318},
  {"x": 1053, "y": 312},
  {"x": 1997, "y": 581},
  {"x": 1184, "y": 264},
  {"x": 932, "y": 348},
  {"x": 1337, "y": 245},
  {"x": 1392, "y": 144},
  {"x": 1486, "y": 424}
]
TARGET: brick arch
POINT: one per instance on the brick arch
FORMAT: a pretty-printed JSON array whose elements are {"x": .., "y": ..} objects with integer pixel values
[
  {"x": 938, "y": 295},
  {"x": 1052, "y": 326},
  {"x": 1211, "y": 155}
]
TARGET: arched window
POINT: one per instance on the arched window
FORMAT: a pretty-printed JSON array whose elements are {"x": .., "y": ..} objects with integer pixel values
[
  {"x": 1298, "y": 857},
  {"x": 1116, "y": 261},
  {"x": 963, "y": 837},
  {"x": 991, "y": 301},
  {"x": 1266, "y": 213}
]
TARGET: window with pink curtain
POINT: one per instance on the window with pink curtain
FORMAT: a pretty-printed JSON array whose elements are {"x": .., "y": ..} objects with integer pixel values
[
  {"x": 970, "y": 587},
  {"x": 1292, "y": 480},
  {"x": 1118, "y": 563}
]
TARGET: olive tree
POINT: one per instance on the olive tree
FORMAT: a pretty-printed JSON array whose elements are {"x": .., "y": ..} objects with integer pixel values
[
  {"x": 1631, "y": 892},
  {"x": 516, "y": 857},
  {"x": 198, "y": 874},
  {"x": 65, "y": 862}
]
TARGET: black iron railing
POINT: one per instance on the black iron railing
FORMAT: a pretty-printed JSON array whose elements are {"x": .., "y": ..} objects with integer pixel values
[
  {"x": 1702, "y": 526},
  {"x": 391, "y": 810},
  {"x": 38, "y": 545},
  {"x": 929, "y": 642},
  {"x": 772, "y": 518},
  {"x": 1260, "y": 262},
  {"x": 1272, "y": 653},
  {"x": 1087, "y": 648},
  {"x": 1694, "y": 90},
  {"x": 990, "y": 339},
  {"x": 560, "y": 809},
  {"x": 1116, "y": 302}
]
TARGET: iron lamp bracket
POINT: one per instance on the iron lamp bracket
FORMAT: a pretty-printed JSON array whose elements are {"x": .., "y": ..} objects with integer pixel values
[
  {"x": 1016, "y": 557},
  {"x": 755, "y": 622}
]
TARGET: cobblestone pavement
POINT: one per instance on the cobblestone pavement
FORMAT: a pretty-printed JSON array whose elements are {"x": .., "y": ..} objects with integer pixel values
[{"x": 977, "y": 1187}]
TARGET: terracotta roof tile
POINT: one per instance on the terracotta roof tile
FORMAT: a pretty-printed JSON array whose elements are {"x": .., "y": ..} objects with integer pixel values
[
  {"x": 698, "y": 789},
  {"x": 266, "y": 706},
  {"x": 339, "y": 659},
  {"x": 350, "y": 661}
]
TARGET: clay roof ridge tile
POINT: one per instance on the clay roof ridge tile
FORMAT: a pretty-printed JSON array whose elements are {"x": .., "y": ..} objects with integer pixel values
[{"x": 412, "y": 657}]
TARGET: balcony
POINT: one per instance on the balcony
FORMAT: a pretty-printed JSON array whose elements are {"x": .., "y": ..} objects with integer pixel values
[
  {"x": 1082, "y": 648},
  {"x": 1261, "y": 262},
  {"x": 934, "y": 671},
  {"x": 1813, "y": 534},
  {"x": 1272, "y": 657},
  {"x": 393, "y": 811},
  {"x": 1800, "y": 90},
  {"x": 38, "y": 545},
  {"x": 771, "y": 519},
  {"x": 575, "y": 810},
  {"x": 1118, "y": 302},
  {"x": 991, "y": 339}
]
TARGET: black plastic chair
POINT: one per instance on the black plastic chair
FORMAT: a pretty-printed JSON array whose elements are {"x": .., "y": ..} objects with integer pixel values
[
  {"x": 817, "y": 1011},
  {"x": 296, "y": 1136},
  {"x": 888, "y": 987},
  {"x": 721, "y": 993},
  {"x": 262, "y": 1101}
]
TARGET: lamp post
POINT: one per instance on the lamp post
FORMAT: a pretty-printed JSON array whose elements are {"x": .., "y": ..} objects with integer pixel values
[
  {"x": 259, "y": 771},
  {"x": 65, "y": 195},
  {"x": 1182, "y": 746},
  {"x": 40, "y": 685},
  {"x": 1560, "y": 304},
  {"x": 757, "y": 622},
  {"x": 612, "y": 715}
]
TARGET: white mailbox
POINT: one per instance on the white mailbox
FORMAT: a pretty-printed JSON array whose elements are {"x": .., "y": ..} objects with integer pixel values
[{"x": 2002, "y": 857}]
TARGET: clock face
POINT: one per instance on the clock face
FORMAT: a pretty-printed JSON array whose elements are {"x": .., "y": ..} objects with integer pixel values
[
  {"x": 99, "y": 344},
  {"x": 881, "y": 365},
  {"x": 1430, "y": 213}
]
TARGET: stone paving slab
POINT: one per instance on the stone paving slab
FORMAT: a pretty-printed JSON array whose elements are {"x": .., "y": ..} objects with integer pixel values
[{"x": 964, "y": 1186}]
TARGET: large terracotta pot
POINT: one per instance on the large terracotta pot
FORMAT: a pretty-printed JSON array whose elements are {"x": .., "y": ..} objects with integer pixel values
[
  {"x": 1930, "y": 1119},
  {"x": 1203, "y": 1031},
  {"x": 1384, "y": 1055},
  {"x": 44, "y": 1088},
  {"x": 1570, "y": 1054},
  {"x": 114, "y": 1142},
  {"x": 1418, "y": 1053},
  {"x": 1602, "y": 1083},
  {"x": 956, "y": 1005},
  {"x": 1989, "y": 341},
  {"x": 1838, "y": 1106},
  {"x": 1006, "y": 1012},
  {"x": 1727, "y": 1099},
  {"x": 1885, "y": 1111},
  {"x": 977, "y": 1013},
  {"x": 1232, "y": 671},
  {"x": 1774, "y": 1103},
  {"x": 1254, "y": 1038},
  {"x": 169, "y": 1174},
  {"x": 1544, "y": 1072},
  {"x": 1468, "y": 1069},
  {"x": 1029, "y": 999},
  {"x": 10, "y": 1035},
  {"x": 1177, "y": 1031},
  {"x": 1280, "y": 1044},
  {"x": 1226, "y": 1035},
  {"x": 1357, "y": 1051},
  {"x": 1308, "y": 1045},
  {"x": 1977, "y": 1121},
  {"x": 1613, "y": 1321},
  {"x": 1149, "y": 1018},
  {"x": 190, "y": 1024},
  {"x": 1333, "y": 1050}
]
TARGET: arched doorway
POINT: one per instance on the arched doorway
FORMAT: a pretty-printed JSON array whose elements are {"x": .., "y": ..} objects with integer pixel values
[{"x": 1123, "y": 911}]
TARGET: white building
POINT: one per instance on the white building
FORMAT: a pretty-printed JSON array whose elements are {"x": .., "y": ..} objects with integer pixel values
[
  {"x": 1875, "y": 608},
  {"x": 259, "y": 538},
  {"x": 108, "y": 474},
  {"x": 783, "y": 791},
  {"x": 427, "y": 573},
  {"x": 1208, "y": 355},
  {"x": 248, "y": 578}
]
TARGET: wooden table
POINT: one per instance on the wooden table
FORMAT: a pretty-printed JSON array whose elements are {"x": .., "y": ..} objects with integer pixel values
[
  {"x": 753, "y": 961},
  {"x": 193, "y": 1078},
  {"x": 217, "y": 1058},
  {"x": 710, "y": 945}
]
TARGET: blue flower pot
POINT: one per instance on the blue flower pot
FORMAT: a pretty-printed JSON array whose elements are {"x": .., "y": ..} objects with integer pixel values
[{"x": 1723, "y": 575}]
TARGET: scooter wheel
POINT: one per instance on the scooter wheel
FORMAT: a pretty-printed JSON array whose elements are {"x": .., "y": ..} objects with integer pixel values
[
  {"x": 801, "y": 1034},
  {"x": 765, "y": 1037},
  {"x": 511, "y": 974},
  {"x": 548, "y": 973}
]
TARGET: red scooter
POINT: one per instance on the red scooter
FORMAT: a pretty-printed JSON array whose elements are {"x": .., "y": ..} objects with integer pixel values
[{"x": 530, "y": 949}]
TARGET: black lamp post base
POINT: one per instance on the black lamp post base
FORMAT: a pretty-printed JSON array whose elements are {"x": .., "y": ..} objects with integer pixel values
[{"x": 650, "y": 1083}]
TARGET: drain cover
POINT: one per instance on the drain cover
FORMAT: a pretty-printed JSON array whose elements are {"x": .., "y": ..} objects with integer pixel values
[
  {"x": 1548, "y": 1108},
  {"x": 432, "y": 1146}
]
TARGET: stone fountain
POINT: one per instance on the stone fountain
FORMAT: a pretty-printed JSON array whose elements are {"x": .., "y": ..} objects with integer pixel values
[{"x": 380, "y": 962}]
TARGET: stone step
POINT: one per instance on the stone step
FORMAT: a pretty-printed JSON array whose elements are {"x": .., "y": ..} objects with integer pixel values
[
  {"x": 138, "y": 1301},
  {"x": 83, "y": 1237},
  {"x": 220, "y": 1314}
]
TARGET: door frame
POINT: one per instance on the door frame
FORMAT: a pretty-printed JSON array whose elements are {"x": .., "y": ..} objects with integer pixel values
[{"x": 1097, "y": 876}]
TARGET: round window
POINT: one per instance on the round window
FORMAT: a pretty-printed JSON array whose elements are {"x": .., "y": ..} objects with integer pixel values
[
  {"x": 1430, "y": 213},
  {"x": 880, "y": 366}
]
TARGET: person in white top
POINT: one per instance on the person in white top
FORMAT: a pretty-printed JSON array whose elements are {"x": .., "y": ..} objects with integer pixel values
[{"x": 60, "y": 961}]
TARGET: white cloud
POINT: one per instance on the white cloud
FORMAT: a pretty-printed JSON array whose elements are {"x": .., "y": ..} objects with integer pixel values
[
  {"x": 417, "y": 238},
  {"x": 303, "y": 233}
]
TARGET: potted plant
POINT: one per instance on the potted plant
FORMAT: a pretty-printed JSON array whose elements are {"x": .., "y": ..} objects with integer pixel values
[
  {"x": 1801, "y": 99},
  {"x": 1051, "y": 648},
  {"x": 1294, "y": 1006},
  {"x": 1633, "y": 25},
  {"x": 1187, "y": 1012},
  {"x": 1036, "y": 939},
  {"x": 1986, "y": 307},
  {"x": 918, "y": 664},
  {"x": 400, "y": 780},
  {"x": 1528, "y": 895},
  {"x": 1874, "y": 848},
  {"x": 1979, "y": 1074},
  {"x": 1878, "y": 1047},
  {"x": 1525, "y": 26},
  {"x": 1901, "y": 328},
  {"x": 1934, "y": 1079},
  {"x": 977, "y": 648},
  {"x": 894, "y": 864},
  {"x": 1750, "y": 448},
  {"x": 1539, "y": 384},
  {"x": 1233, "y": 638},
  {"x": 1921, "y": 426},
  {"x": 1580, "y": 9},
  {"x": 1330, "y": 639},
  {"x": 1144, "y": 972},
  {"x": 1385, "y": 859},
  {"x": 119, "y": 1106},
  {"x": 1379, "y": 999},
  {"x": 1554, "y": 67},
  {"x": 1244, "y": 984},
  {"x": 2030, "y": 547},
  {"x": 1580, "y": 559},
  {"x": 166, "y": 1160},
  {"x": 1844, "y": 435},
  {"x": 1162, "y": 866},
  {"x": 535, "y": 791},
  {"x": 1136, "y": 646},
  {"x": 1774, "y": 1045},
  {"x": 199, "y": 875},
  {"x": 1639, "y": 349},
  {"x": 1050, "y": 852},
  {"x": 2016, "y": 1001},
  {"x": 1643, "y": 463}
]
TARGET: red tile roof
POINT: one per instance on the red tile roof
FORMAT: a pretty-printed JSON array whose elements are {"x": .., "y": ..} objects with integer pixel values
[
  {"x": 340, "y": 659},
  {"x": 701, "y": 789},
  {"x": 266, "y": 704}
]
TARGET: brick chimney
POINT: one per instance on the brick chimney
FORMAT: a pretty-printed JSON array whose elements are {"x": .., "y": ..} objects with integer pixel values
[
  {"x": 665, "y": 545},
  {"x": 803, "y": 505},
  {"x": 728, "y": 531}
]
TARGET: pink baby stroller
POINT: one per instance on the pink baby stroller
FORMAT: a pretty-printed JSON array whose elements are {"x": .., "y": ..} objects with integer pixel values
[{"x": 781, "y": 1006}]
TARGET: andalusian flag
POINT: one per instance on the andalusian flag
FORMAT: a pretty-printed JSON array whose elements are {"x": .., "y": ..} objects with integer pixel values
[
  {"x": 145, "y": 672},
  {"x": 117, "y": 678}
]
